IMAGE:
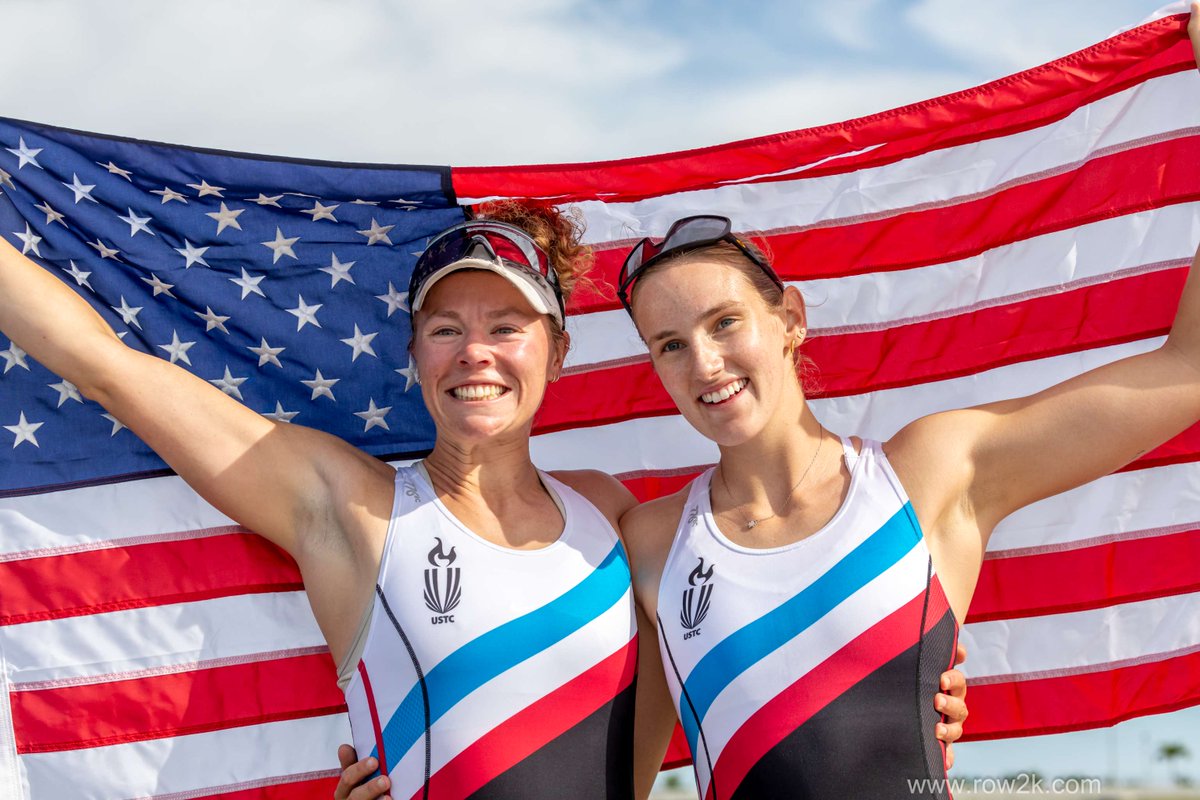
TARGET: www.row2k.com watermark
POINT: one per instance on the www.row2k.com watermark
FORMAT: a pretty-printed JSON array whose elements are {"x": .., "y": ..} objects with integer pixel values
[{"x": 1021, "y": 784}]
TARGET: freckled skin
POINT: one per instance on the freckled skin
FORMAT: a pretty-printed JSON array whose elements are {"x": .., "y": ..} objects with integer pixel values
[{"x": 476, "y": 328}]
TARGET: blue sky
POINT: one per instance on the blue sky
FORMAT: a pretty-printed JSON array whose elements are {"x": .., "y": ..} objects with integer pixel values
[{"x": 527, "y": 81}]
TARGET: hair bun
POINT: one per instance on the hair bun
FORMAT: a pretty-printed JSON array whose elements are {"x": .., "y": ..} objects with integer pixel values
[{"x": 558, "y": 233}]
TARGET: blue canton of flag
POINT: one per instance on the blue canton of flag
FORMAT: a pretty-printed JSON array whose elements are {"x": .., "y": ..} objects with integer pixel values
[{"x": 281, "y": 282}]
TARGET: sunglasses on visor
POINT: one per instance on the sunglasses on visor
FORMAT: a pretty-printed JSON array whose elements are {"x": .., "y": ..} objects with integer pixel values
[
  {"x": 689, "y": 233},
  {"x": 499, "y": 242}
]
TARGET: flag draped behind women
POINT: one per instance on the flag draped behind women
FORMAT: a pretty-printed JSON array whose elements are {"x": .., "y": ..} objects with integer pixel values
[{"x": 979, "y": 246}]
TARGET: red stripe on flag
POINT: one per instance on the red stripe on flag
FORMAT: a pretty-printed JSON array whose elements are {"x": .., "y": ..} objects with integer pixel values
[
  {"x": 309, "y": 789},
  {"x": 1019, "y": 102},
  {"x": 533, "y": 727},
  {"x": 143, "y": 575},
  {"x": 161, "y": 706},
  {"x": 1126, "y": 181},
  {"x": 1101, "y": 575},
  {"x": 1098, "y": 698},
  {"x": 1118, "y": 311},
  {"x": 822, "y": 685}
]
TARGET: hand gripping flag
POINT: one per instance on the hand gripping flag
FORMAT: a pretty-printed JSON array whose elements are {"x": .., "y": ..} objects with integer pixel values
[{"x": 975, "y": 247}]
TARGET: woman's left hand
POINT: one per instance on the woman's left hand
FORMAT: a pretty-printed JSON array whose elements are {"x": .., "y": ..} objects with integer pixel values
[{"x": 952, "y": 702}]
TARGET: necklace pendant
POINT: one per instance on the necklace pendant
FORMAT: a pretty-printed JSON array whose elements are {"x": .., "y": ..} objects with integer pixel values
[{"x": 751, "y": 524}]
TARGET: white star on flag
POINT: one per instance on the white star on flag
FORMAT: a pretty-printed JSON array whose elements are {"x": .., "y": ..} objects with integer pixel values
[
  {"x": 213, "y": 320},
  {"x": 319, "y": 211},
  {"x": 229, "y": 384},
  {"x": 321, "y": 385},
  {"x": 116, "y": 423},
  {"x": 81, "y": 190},
  {"x": 377, "y": 233},
  {"x": 396, "y": 300},
  {"x": 305, "y": 314},
  {"x": 104, "y": 250},
  {"x": 339, "y": 271},
  {"x": 29, "y": 241},
  {"x": 52, "y": 216},
  {"x": 128, "y": 313},
  {"x": 204, "y": 190},
  {"x": 136, "y": 224},
  {"x": 279, "y": 415},
  {"x": 168, "y": 194},
  {"x": 25, "y": 155},
  {"x": 267, "y": 354},
  {"x": 79, "y": 275},
  {"x": 177, "y": 350},
  {"x": 263, "y": 200},
  {"x": 160, "y": 286},
  {"x": 115, "y": 170},
  {"x": 66, "y": 391},
  {"x": 13, "y": 357},
  {"x": 192, "y": 254},
  {"x": 282, "y": 246},
  {"x": 226, "y": 218},
  {"x": 24, "y": 431},
  {"x": 410, "y": 374},
  {"x": 361, "y": 343},
  {"x": 6, "y": 180},
  {"x": 374, "y": 416},
  {"x": 248, "y": 283}
]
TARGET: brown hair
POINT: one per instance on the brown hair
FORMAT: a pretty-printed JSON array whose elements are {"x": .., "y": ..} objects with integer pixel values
[{"x": 558, "y": 233}]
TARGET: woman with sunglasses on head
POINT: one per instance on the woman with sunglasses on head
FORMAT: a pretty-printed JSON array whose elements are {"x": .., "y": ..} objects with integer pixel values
[{"x": 808, "y": 588}]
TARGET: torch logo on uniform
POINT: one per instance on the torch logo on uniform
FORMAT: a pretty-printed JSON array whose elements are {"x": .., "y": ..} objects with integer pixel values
[
  {"x": 442, "y": 592},
  {"x": 696, "y": 599}
]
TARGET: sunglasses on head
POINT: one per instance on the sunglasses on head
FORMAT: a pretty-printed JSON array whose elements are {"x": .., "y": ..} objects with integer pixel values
[
  {"x": 499, "y": 242},
  {"x": 689, "y": 233}
]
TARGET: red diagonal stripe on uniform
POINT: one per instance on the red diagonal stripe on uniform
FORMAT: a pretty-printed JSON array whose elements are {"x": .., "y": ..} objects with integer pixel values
[
  {"x": 823, "y": 684},
  {"x": 530, "y": 729}
]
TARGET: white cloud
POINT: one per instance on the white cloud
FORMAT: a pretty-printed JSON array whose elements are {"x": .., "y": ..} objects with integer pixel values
[{"x": 1010, "y": 35}]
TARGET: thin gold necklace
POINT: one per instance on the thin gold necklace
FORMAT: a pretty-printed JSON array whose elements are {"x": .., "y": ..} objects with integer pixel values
[{"x": 750, "y": 521}]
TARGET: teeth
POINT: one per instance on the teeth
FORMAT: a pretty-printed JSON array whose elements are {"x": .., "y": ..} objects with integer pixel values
[
  {"x": 478, "y": 392},
  {"x": 726, "y": 393}
]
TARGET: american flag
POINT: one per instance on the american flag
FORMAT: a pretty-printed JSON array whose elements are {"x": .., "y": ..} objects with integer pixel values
[{"x": 978, "y": 246}]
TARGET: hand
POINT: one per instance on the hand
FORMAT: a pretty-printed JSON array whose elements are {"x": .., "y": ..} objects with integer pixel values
[
  {"x": 1194, "y": 29},
  {"x": 951, "y": 702},
  {"x": 355, "y": 772}
]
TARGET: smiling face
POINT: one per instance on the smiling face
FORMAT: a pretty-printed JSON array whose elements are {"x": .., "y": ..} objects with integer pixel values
[
  {"x": 484, "y": 357},
  {"x": 723, "y": 354}
]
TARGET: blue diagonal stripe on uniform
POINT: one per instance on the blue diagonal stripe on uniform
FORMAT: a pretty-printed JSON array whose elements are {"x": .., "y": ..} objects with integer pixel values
[
  {"x": 746, "y": 646},
  {"x": 503, "y": 647}
]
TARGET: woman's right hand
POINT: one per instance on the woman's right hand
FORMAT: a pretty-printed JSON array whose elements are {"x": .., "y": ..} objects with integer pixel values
[{"x": 354, "y": 773}]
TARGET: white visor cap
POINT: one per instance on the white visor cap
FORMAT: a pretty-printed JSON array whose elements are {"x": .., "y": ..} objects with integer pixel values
[{"x": 532, "y": 286}]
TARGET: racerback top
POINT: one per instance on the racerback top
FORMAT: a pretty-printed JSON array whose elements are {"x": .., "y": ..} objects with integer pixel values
[
  {"x": 809, "y": 670},
  {"x": 494, "y": 673}
]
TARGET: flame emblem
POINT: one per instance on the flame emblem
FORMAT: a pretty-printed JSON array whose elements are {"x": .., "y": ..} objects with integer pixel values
[
  {"x": 442, "y": 583},
  {"x": 696, "y": 597},
  {"x": 438, "y": 558},
  {"x": 699, "y": 576}
]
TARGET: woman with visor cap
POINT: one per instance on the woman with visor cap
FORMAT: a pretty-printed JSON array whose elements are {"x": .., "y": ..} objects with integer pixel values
[{"x": 480, "y": 610}]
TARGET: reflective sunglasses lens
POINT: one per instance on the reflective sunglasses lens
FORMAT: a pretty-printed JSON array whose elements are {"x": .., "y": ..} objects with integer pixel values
[{"x": 694, "y": 230}]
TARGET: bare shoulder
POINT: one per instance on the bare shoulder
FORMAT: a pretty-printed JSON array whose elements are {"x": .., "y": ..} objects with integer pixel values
[
  {"x": 649, "y": 530},
  {"x": 601, "y": 489}
]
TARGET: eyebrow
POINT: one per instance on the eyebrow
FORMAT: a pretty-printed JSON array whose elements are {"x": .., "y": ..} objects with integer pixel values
[
  {"x": 509, "y": 311},
  {"x": 717, "y": 309}
]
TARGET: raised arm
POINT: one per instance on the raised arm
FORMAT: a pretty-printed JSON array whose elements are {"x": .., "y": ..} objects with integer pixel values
[{"x": 276, "y": 479}]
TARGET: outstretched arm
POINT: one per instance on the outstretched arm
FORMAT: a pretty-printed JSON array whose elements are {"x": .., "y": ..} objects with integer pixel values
[{"x": 276, "y": 479}]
